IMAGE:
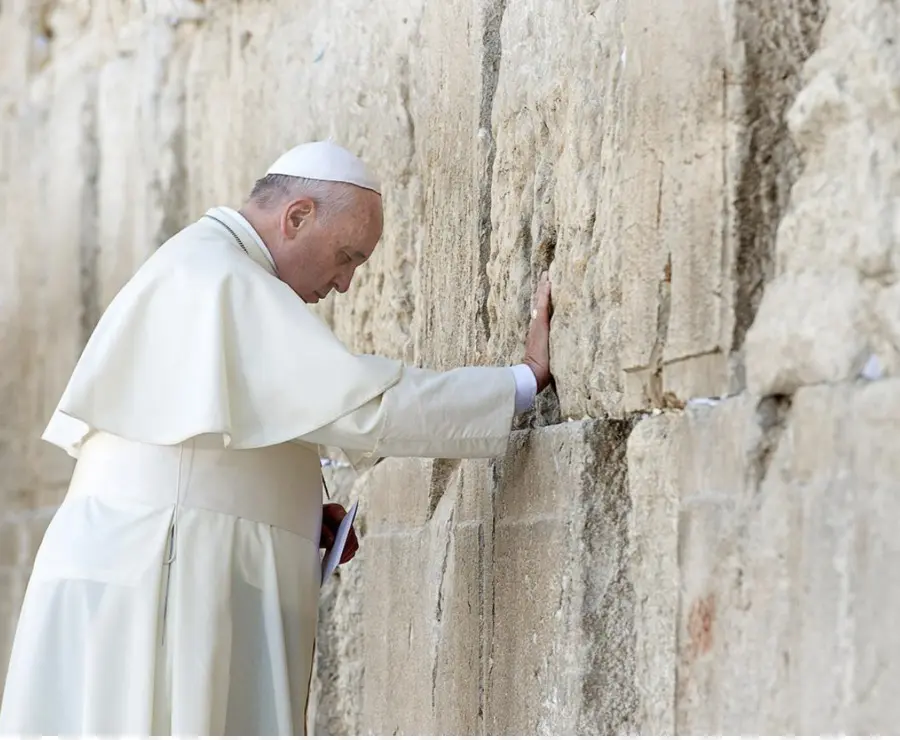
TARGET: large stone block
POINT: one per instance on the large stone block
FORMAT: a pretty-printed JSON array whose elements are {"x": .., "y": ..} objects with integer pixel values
[
  {"x": 554, "y": 124},
  {"x": 142, "y": 200},
  {"x": 799, "y": 338},
  {"x": 641, "y": 154},
  {"x": 454, "y": 78},
  {"x": 676, "y": 166},
  {"x": 782, "y": 536},
  {"x": 653, "y": 569},
  {"x": 490, "y": 597},
  {"x": 51, "y": 170},
  {"x": 562, "y": 643},
  {"x": 832, "y": 304},
  {"x": 422, "y": 575}
]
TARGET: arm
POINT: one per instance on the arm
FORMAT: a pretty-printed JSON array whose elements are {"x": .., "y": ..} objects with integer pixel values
[
  {"x": 462, "y": 413},
  {"x": 456, "y": 414}
]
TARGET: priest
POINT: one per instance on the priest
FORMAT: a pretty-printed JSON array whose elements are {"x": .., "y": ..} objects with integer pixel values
[{"x": 175, "y": 591}]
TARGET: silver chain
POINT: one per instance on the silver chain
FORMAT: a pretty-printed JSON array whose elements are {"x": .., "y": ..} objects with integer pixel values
[{"x": 230, "y": 231}]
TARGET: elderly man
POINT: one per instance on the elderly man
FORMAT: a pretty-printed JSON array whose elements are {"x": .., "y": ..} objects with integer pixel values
[{"x": 175, "y": 591}]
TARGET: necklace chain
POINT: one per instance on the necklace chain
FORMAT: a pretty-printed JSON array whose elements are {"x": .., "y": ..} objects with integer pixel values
[{"x": 230, "y": 231}]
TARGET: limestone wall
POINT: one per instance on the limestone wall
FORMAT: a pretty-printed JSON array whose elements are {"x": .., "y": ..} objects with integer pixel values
[{"x": 693, "y": 533}]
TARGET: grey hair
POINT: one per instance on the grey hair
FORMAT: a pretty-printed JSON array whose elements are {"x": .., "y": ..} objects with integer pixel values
[{"x": 330, "y": 197}]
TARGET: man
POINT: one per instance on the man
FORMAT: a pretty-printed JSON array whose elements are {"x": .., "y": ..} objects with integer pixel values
[{"x": 175, "y": 591}]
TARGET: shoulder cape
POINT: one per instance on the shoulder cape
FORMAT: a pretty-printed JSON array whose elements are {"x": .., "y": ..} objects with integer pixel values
[{"x": 204, "y": 340}]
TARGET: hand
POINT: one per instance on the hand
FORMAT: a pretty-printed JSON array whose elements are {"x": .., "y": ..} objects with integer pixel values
[
  {"x": 332, "y": 515},
  {"x": 537, "y": 344}
]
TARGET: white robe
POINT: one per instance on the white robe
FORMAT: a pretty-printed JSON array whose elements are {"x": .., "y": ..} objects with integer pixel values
[{"x": 176, "y": 589}]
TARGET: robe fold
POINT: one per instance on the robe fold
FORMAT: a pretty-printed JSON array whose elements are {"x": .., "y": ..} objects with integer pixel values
[{"x": 176, "y": 588}]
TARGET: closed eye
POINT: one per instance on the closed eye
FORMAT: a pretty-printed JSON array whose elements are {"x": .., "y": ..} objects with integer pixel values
[{"x": 357, "y": 257}]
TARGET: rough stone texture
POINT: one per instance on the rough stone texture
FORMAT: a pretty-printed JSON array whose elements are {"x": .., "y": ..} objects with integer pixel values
[
  {"x": 653, "y": 569},
  {"x": 713, "y": 187},
  {"x": 832, "y": 303},
  {"x": 499, "y": 602},
  {"x": 782, "y": 526}
]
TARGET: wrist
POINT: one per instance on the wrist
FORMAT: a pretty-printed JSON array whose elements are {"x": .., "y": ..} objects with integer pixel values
[
  {"x": 541, "y": 376},
  {"x": 526, "y": 387}
]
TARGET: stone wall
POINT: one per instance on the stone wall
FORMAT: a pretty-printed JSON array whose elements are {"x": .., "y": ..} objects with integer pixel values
[{"x": 693, "y": 531}]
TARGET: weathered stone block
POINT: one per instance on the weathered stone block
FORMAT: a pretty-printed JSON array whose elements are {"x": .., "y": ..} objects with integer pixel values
[
  {"x": 51, "y": 162},
  {"x": 551, "y": 118},
  {"x": 395, "y": 495},
  {"x": 783, "y": 506},
  {"x": 648, "y": 168},
  {"x": 810, "y": 329},
  {"x": 455, "y": 149},
  {"x": 653, "y": 569},
  {"x": 141, "y": 200},
  {"x": 397, "y": 632},
  {"x": 837, "y": 245},
  {"x": 525, "y": 618},
  {"x": 562, "y": 643}
]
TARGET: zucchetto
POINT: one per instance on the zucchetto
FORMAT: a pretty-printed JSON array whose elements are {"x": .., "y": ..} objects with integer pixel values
[{"x": 325, "y": 160}]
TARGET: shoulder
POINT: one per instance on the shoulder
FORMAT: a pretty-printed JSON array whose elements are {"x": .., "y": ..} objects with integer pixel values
[{"x": 201, "y": 256}]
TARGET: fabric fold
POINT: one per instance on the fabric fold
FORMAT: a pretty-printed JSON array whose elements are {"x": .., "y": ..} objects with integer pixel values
[{"x": 204, "y": 339}]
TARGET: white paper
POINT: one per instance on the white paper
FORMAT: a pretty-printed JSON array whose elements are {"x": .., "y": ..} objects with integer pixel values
[{"x": 333, "y": 556}]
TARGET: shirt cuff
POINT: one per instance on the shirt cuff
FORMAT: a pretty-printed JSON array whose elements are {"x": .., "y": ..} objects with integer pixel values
[{"x": 526, "y": 387}]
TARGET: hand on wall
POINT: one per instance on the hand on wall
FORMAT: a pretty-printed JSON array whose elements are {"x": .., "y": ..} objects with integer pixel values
[{"x": 537, "y": 344}]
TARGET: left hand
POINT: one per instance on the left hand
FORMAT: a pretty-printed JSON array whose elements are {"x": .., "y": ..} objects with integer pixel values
[{"x": 332, "y": 515}]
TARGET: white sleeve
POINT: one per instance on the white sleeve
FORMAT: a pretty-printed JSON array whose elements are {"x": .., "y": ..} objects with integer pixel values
[
  {"x": 463, "y": 413},
  {"x": 526, "y": 387}
]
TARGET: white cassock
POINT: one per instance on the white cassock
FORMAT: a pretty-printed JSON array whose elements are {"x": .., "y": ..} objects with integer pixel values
[{"x": 175, "y": 591}]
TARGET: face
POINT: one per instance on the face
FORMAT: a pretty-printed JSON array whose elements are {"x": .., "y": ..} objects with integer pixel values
[{"x": 318, "y": 255}]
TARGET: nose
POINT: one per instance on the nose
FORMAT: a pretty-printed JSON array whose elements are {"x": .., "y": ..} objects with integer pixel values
[{"x": 342, "y": 284}]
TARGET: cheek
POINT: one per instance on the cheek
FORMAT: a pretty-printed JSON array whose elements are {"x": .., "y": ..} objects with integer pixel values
[
  {"x": 310, "y": 269},
  {"x": 323, "y": 273}
]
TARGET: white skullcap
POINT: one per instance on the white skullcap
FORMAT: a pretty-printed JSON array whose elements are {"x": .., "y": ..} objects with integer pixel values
[{"x": 324, "y": 160}]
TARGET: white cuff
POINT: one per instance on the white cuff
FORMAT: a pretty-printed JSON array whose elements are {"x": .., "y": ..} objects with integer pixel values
[{"x": 526, "y": 387}]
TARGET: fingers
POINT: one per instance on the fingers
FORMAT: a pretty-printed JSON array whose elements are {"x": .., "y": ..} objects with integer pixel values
[
  {"x": 333, "y": 513},
  {"x": 541, "y": 303},
  {"x": 332, "y": 516},
  {"x": 331, "y": 520}
]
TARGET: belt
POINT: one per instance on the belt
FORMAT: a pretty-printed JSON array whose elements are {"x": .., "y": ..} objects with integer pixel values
[{"x": 279, "y": 485}]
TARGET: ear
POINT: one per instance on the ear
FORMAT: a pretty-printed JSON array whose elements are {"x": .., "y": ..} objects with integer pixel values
[{"x": 296, "y": 215}]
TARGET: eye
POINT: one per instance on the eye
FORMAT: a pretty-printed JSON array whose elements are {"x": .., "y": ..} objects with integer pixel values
[{"x": 345, "y": 258}]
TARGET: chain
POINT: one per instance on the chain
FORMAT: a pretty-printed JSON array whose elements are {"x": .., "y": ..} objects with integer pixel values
[{"x": 230, "y": 231}]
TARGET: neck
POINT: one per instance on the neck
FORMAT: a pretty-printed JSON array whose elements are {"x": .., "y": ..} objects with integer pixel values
[
  {"x": 259, "y": 223},
  {"x": 265, "y": 225}
]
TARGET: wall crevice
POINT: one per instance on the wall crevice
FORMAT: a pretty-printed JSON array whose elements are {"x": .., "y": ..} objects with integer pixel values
[
  {"x": 492, "y": 52},
  {"x": 777, "y": 38},
  {"x": 772, "y": 415}
]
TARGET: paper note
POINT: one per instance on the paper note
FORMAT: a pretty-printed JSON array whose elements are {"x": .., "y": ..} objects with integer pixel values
[{"x": 333, "y": 556}]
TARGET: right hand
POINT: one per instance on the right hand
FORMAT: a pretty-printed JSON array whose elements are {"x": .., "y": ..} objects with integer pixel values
[
  {"x": 537, "y": 344},
  {"x": 332, "y": 515}
]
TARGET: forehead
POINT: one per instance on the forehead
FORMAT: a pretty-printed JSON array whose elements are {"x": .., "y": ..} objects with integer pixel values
[
  {"x": 357, "y": 231},
  {"x": 365, "y": 216}
]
